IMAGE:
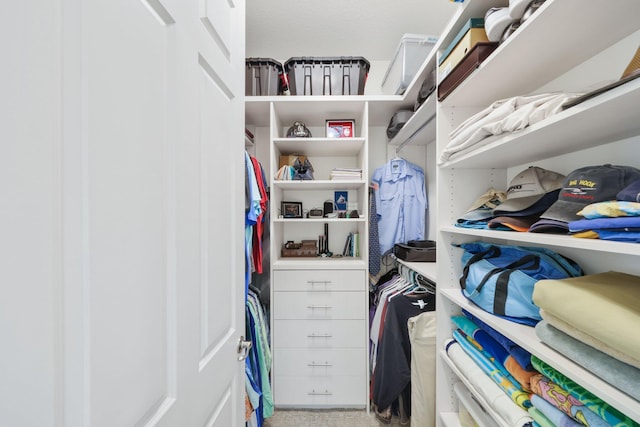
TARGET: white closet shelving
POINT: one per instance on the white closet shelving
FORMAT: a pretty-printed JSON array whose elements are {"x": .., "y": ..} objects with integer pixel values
[
  {"x": 318, "y": 304},
  {"x": 601, "y": 130}
]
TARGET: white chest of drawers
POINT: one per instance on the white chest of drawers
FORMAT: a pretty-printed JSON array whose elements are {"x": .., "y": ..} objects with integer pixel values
[{"x": 320, "y": 338}]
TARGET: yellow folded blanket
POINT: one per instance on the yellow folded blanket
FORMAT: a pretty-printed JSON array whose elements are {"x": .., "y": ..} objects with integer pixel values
[{"x": 605, "y": 306}]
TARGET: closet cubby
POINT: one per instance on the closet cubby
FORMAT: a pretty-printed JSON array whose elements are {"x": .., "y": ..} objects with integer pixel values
[{"x": 541, "y": 56}]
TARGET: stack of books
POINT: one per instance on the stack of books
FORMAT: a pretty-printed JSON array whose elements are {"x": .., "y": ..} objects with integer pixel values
[
  {"x": 352, "y": 245},
  {"x": 346, "y": 174}
]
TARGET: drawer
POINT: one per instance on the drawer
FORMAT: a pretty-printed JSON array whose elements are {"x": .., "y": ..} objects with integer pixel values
[
  {"x": 319, "y": 333},
  {"x": 346, "y": 391},
  {"x": 319, "y": 280},
  {"x": 319, "y": 363},
  {"x": 319, "y": 305}
]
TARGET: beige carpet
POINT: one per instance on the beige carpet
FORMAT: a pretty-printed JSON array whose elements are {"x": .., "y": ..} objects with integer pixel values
[{"x": 325, "y": 418}]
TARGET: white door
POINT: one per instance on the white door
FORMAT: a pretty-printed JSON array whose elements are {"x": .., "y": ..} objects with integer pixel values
[{"x": 122, "y": 233}]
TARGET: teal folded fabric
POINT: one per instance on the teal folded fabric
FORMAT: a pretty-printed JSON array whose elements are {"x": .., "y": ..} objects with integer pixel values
[
  {"x": 490, "y": 347},
  {"x": 615, "y": 372},
  {"x": 515, "y": 393},
  {"x": 605, "y": 411},
  {"x": 539, "y": 418},
  {"x": 553, "y": 414}
]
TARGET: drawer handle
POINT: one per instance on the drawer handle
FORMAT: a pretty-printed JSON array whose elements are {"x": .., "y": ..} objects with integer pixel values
[
  {"x": 323, "y": 365},
  {"x": 320, "y": 393},
  {"x": 319, "y": 336},
  {"x": 313, "y": 307},
  {"x": 319, "y": 282}
]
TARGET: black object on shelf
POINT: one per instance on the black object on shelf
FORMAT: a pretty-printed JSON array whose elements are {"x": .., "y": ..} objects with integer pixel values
[
  {"x": 342, "y": 75},
  {"x": 263, "y": 77}
]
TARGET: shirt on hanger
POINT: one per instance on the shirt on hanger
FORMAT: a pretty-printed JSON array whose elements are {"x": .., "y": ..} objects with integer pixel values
[{"x": 401, "y": 202}]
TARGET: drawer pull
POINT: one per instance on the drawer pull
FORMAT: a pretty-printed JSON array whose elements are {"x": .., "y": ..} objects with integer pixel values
[
  {"x": 322, "y": 365},
  {"x": 319, "y": 282},
  {"x": 319, "y": 336},
  {"x": 320, "y": 393},
  {"x": 313, "y": 307}
]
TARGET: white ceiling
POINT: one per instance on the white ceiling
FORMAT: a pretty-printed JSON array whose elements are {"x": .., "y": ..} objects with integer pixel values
[{"x": 281, "y": 29}]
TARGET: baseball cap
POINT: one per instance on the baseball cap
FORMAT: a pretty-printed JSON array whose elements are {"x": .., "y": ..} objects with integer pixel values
[
  {"x": 631, "y": 193},
  {"x": 528, "y": 187},
  {"x": 516, "y": 223},
  {"x": 484, "y": 205},
  {"x": 583, "y": 186}
]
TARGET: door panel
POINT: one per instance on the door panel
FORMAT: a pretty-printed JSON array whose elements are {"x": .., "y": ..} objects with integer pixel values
[
  {"x": 128, "y": 227},
  {"x": 30, "y": 170},
  {"x": 164, "y": 306},
  {"x": 123, "y": 227}
]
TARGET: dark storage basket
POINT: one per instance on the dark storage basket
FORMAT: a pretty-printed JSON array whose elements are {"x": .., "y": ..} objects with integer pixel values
[
  {"x": 416, "y": 251},
  {"x": 345, "y": 75},
  {"x": 262, "y": 77}
]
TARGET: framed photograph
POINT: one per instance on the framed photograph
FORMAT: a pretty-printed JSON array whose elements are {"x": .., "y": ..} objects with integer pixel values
[
  {"x": 341, "y": 128},
  {"x": 341, "y": 198},
  {"x": 292, "y": 209}
]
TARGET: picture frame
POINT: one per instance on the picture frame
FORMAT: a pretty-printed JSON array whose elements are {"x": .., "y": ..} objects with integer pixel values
[
  {"x": 340, "y": 128},
  {"x": 341, "y": 199},
  {"x": 291, "y": 209}
]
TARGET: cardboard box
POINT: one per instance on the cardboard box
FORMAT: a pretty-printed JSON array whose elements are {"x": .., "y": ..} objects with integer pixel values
[
  {"x": 465, "y": 67},
  {"x": 473, "y": 32},
  {"x": 290, "y": 160},
  {"x": 472, "y": 37}
]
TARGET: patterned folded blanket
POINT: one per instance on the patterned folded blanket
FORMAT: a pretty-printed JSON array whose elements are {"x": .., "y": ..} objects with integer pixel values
[{"x": 603, "y": 410}]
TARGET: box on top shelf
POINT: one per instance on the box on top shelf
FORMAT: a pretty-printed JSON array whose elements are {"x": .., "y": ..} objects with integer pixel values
[
  {"x": 470, "y": 34},
  {"x": 465, "y": 67},
  {"x": 410, "y": 54},
  {"x": 263, "y": 77},
  {"x": 343, "y": 75}
]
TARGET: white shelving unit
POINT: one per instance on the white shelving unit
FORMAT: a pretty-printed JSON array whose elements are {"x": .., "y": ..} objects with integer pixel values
[
  {"x": 318, "y": 303},
  {"x": 604, "y": 129}
]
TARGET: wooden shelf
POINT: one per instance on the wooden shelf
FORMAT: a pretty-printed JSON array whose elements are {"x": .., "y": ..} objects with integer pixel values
[
  {"x": 320, "y": 146},
  {"x": 574, "y": 129},
  {"x": 420, "y": 129},
  {"x": 381, "y": 107},
  {"x": 556, "y": 240},
  {"x": 320, "y": 220},
  {"x": 527, "y": 54}
]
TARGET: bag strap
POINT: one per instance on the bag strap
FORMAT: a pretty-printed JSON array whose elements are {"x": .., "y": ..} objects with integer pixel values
[
  {"x": 502, "y": 282},
  {"x": 491, "y": 252},
  {"x": 526, "y": 262}
]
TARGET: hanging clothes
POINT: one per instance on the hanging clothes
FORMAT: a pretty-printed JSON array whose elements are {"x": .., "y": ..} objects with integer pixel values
[
  {"x": 258, "y": 231},
  {"x": 258, "y": 362},
  {"x": 253, "y": 197},
  {"x": 401, "y": 202},
  {"x": 401, "y": 298}
]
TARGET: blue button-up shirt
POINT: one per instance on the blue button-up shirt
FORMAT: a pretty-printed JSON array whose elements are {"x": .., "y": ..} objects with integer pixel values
[{"x": 401, "y": 202}]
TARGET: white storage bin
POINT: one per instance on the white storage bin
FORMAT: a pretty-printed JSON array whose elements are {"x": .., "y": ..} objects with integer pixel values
[{"x": 411, "y": 53}]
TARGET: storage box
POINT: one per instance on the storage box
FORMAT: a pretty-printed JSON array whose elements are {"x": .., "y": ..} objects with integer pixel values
[
  {"x": 470, "y": 62},
  {"x": 262, "y": 77},
  {"x": 469, "y": 39},
  {"x": 345, "y": 75},
  {"x": 410, "y": 54},
  {"x": 290, "y": 160},
  {"x": 471, "y": 23}
]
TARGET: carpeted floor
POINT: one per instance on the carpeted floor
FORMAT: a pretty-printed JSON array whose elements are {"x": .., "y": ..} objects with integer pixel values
[{"x": 325, "y": 418}]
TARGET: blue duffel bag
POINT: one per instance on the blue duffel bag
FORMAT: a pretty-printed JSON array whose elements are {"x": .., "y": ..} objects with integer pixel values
[{"x": 500, "y": 278}]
